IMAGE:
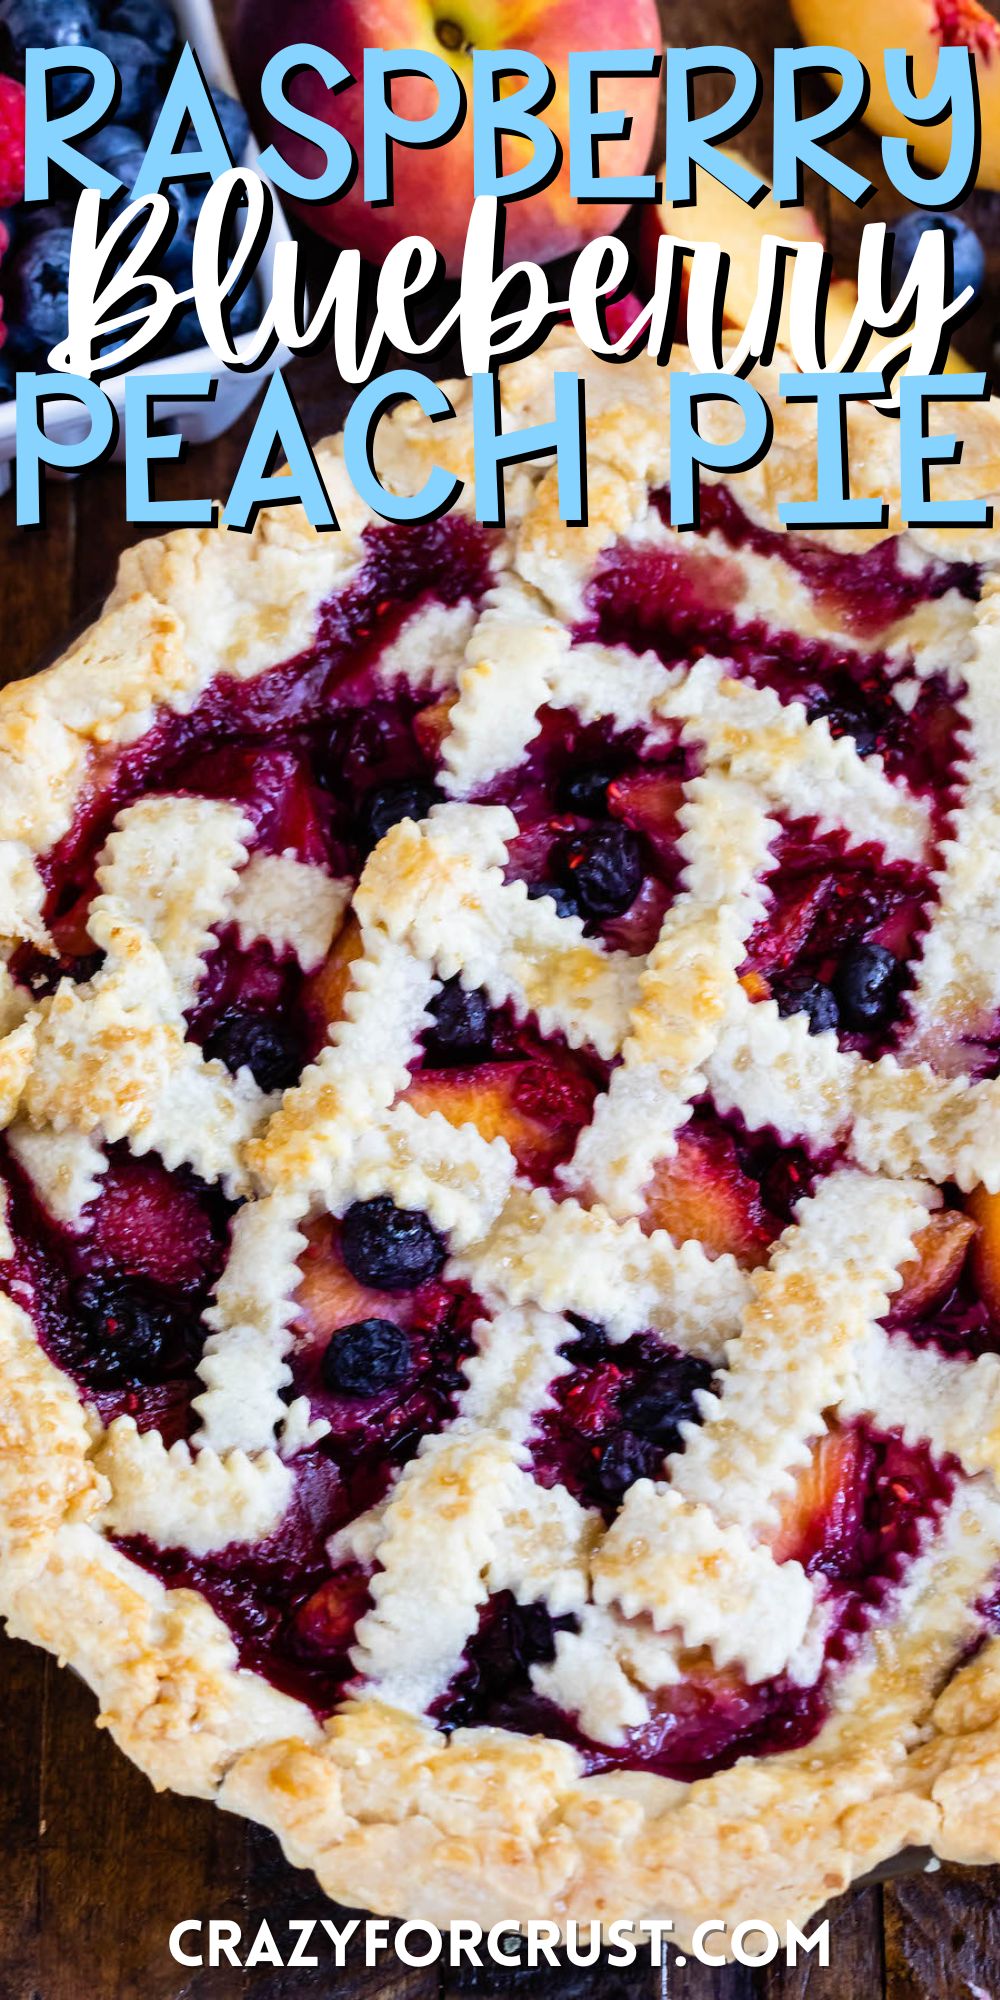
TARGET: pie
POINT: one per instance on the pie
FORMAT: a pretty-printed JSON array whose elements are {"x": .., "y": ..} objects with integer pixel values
[{"x": 500, "y": 1253}]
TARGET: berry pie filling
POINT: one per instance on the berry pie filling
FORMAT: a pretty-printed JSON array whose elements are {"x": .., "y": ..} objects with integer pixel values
[
  {"x": 865, "y": 593},
  {"x": 380, "y": 1339},
  {"x": 837, "y": 944},
  {"x": 681, "y": 601},
  {"x": 118, "y": 1302},
  {"x": 324, "y": 756},
  {"x": 860, "y": 1513},
  {"x": 322, "y": 753},
  {"x": 599, "y": 837}
]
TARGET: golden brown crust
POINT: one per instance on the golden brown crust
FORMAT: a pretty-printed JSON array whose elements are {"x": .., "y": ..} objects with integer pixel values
[{"x": 389, "y": 1812}]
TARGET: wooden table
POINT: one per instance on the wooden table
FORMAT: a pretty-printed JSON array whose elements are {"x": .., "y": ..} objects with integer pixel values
[{"x": 96, "y": 1868}]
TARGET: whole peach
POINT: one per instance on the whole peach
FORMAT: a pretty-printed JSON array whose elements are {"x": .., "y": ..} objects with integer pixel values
[{"x": 433, "y": 190}]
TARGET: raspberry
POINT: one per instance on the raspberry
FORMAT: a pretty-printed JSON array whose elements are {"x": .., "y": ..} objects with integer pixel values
[{"x": 11, "y": 144}]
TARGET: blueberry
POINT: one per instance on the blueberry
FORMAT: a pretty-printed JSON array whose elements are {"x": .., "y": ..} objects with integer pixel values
[
  {"x": 369, "y": 1355},
  {"x": 585, "y": 792},
  {"x": 186, "y": 199},
  {"x": 657, "y": 1405},
  {"x": 115, "y": 147},
  {"x": 149, "y": 20},
  {"x": 847, "y": 719},
  {"x": 246, "y": 314},
  {"x": 408, "y": 798},
  {"x": 265, "y": 1048},
  {"x": 141, "y": 298},
  {"x": 46, "y": 24},
  {"x": 8, "y": 378},
  {"x": 21, "y": 347},
  {"x": 461, "y": 1024},
  {"x": 36, "y": 217},
  {"x": 512, "y": 1638},
  {"x": 563, "y": 898},
  {"x": 137, "y": 70},
  {"x": 127, "y": 1339},
  {"x": 784, "y": 1183},
  {"x": 625, "y": 1459},
  {"x": 234, "y": 121},
  {"x": 968, "y": 260},
  {"x": 235, "y": 126},
  {"x": 604, "y": 870},
  {"x": 811, "y": 997},
  {"x": 592, "y": 1338},
  {"x": 187, "y": 333},
  {"x": 866, "y": 983},
  {"x": 390, "y": 1248},
  {"x": 36, "y": 285}
]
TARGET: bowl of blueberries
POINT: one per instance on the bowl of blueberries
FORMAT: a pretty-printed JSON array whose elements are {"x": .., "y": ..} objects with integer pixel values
[{"x": 142, "y": 38}]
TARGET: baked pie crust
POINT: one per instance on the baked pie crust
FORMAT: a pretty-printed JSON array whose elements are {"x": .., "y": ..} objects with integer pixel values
[{"x": 687, "y": 1580}]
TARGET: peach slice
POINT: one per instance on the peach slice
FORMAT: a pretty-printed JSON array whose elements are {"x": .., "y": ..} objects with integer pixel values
[
  {"x": 921, "y": 30},
  {"x": 823, "y": 1490},
  {"x": 755, "y": 986},
  {"x": 941, "y": 1246},
  {"x": 324, "y": 993},
  {"x": 326, "y": 1622},
  {"x": 718, "y": 216},
  {"x": 984, "y": 1209},
  {"x": 538, "y": 1107},
  {"x": 328, "y": 1297},
  {"x": 649, "y": 802},
  {"x": 703, "y": 1192},
  {"x": 431, "y": 725}
]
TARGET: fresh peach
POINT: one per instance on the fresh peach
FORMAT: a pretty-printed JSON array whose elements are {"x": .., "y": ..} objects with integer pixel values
[
  {"x": 940, "y": 1246},
  {"x": 538, "y": 1107},
  {"x": 984, "y": 1209},
  {"x": 921, "y": 29},
  {"x": 720, "y": 217},
  {"x": 717, "y": 216},
  {"x": 433, "y": 191},
  {"x": 703, "y": 1192}
]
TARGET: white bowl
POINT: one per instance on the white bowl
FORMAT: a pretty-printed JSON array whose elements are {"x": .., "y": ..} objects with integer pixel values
[{"x": 199, "y": 421}]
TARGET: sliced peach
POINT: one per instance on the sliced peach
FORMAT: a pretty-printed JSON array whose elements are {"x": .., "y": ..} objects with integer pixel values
[
  {"x": 984, "y": 1209},
  {"x": 650, "y": 802},
  {"x": 431, "y": 725},
  {"x": 922, "y": 29},
  {"x": 324, "y": 993},
  {"x": 755, "y": 986},
  {"x": 703, "y": 1192},
  {"x": 326, "y": 1622},
  {"x": 824, "y": 1495},
  {"x": 941, "y": 1246},
  {"x": 70, "y": 934},
  {"x": 538, "y": 1107},
  {"x": 328, "y": 1297},
  {"x": 784, "y": 932},
  {"x": 717, "y": 216}
]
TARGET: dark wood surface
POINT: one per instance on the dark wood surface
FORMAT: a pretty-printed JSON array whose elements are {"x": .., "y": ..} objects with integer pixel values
[{"x": 94, "y": 1867}]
